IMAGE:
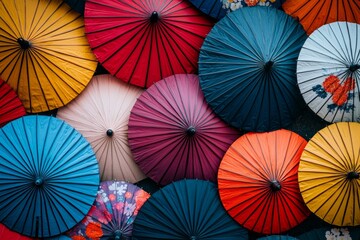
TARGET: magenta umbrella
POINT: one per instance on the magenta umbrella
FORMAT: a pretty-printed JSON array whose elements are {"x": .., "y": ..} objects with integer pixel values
[{"x": 173, "y": 134}]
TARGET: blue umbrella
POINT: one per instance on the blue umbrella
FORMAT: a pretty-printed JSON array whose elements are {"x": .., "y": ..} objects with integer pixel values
[
  {"x": 77, "y": 5},
  {"x": 277, "y": 237},
  {"x": 213, "y": 8},
  {"x": 186, "y": 209},
  {"x": 49, "y": 176},
  {"x": 247, "y": 68}
]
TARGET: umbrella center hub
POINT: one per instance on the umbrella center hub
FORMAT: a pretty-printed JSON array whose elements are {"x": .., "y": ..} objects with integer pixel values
[
  {"x": 275, "y": 186},
  {"x": 154, "y": 17},
  {"x": 39, "y": 181},
  {"x": 117, "y": 234},
  {"x": 352, "y": 175},
  {"x": 109, "y": 132},
  {"x": 191, "y": 131},
  {"x": 268, "y": 65},
  {"x": 354, "y": 67},
  {"x": 24, "y": 44}
]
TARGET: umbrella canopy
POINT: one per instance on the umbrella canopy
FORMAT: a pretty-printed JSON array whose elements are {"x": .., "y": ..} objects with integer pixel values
[
  {"x": 247, "y": 69},
  {"x": 277, "y": 237},
  {"x": 186, "y": 209},
  {"x": 328, "y": 72},
  {"x": 44, "y": 54},
  {"x": 329, "y": 174},
  {"x": 346, "y": 233},
  {"x": 144, "y": 43},
  {"x": 113, "y": 213},
  {"x": 213, "y": 8},
  {"x": 101, "y": 115},
  {"x": 10, "y": 104},
  {"x": 173, "y": 133},
  {"x": 314, "y": 14},
  {"x": 233, "y": 5},
  {"x": 6, "y": 233},
  {"x": 48, "y": 176},
  {"x": 77, "y": 5},
  {"x": 258, "y": 182}
]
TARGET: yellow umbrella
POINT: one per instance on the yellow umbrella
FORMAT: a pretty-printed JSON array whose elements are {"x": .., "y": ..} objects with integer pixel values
[
  {"x": 44, "y": 54},
  {"x": 329, "y": 172}
]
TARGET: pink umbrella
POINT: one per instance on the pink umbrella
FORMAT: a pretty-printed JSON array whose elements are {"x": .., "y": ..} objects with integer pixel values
[
  {"x": 101, "y": 115},
  {"x": 173, "y": 134}
]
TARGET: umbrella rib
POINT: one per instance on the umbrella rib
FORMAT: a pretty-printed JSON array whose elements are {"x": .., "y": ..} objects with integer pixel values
[
  {"x": 12, "y": 20},
  {"x": 18, "y": 54}
]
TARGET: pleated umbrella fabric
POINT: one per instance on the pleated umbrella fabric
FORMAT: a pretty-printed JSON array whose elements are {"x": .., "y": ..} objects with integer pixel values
[
  {"x": 11, "y": 106},
  {"x": 101, "y": 115},
  {"x": 173, "y": 134},
  {"x": 247, "y": 69},
  {"x": 328, "y": 72},
  {"x": 113, "y": 213},
  {"x": 316, "y": 13},
  {"x": 329, "y": 174},
  {"x": 186, "y": 209},
  {"x": 48, "y": 176},
  {"x": 212, "y": 8},
  {"x": 144, "y": 43},
  {"x": 231, "y": 5},
  {"x": 6, "y": 233},
  {"x": 44, "y": 54},
  {"x": 258, "y": 182},
  {"x": 277, "y": 237}
]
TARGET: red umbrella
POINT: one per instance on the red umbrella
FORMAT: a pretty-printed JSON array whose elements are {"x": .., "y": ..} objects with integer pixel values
[
  {"x": 258, "y": 183},
  {"x": 10, "y": 105},
  {"x": 141, "y": 42},
  {"x": 173, "y": 134}
]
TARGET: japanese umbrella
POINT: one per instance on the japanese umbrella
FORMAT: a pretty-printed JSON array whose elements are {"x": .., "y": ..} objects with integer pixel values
[
  {"x": 44, "y": 54},
  {"x": 48, "y": 176},
  {"x": 247, "y": 69},
  {"x": 186, "y": 209},
  {"x": 113, "y": 213},
  {"x": 10, "y": 105},
  {"x": 313, "y": 14},
  {"x": 101, "y": 115},
  {"x": 258, "y": 183},
  {"x": 328, "y": 72},
  {"x": 233, "y": 5},
  {"x": 277, "y": 237},
  {"x": 329, "y": 174},
  {"x": 6, "y": 233},
  {"x": 173, "y": 134},
  {"x": 141, "y": 43},
  {"x": 212, "y": 8}
]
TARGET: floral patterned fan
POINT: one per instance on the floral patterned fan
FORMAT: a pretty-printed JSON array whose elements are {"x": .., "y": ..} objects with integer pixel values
[
  {"x": 113, "y": 212},
  {"x": 232, "y": 5}
]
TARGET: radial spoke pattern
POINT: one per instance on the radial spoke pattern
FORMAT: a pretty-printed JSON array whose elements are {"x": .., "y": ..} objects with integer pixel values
[
  {"x": 10, "y": 105},
  {"x": 328, "y": 72},
  {"x": 113, "y": 213},
  {"x": 57, "y": 63},
  {"x": 316, "y": 13},
  {"x": 247, "y": 69},
  {"x": 323, "y": 174},
  {"x": 245, "y": 175},
  {"x": 160, "y": 134},
  {"x": 105, "y": 105},
  {"x": 48, "y": 176},
  {"x": 139, "y": 50},
  {"x": 186, "y": 209}
]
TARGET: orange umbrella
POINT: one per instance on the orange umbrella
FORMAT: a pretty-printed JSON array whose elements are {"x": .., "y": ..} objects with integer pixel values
[
  {"x": 258, "y": 182},
  {"x": 312, "y": 14}
]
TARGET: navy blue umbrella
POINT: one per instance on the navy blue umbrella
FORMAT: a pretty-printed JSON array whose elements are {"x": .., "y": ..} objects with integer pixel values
[
  {"x": 213, "y": 8},
  {"x": 186, "y": 209},
  {"x": 77, "y": 5},
  {"x": 277, "y": 237},
  {"x": 49, "y": 176},
  {"x": 247, "y": 68}
]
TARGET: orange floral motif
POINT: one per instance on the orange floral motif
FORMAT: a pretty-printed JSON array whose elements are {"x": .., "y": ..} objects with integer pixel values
[
  {"x": 112, "y": 197},
  {"x": 128, "y": 195},
  {"x": 340, "y": 96},
  {"x": 78, "y": 237},
  {"x": 349, "y": 84},
  {"x": 331, "y": 83},
  {"x": 251, "y": 2},
  {"x": 140, "y": 199},
  {"x": 93, "y": 230}
]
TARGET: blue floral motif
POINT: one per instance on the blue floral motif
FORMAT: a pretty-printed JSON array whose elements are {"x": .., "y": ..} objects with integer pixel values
[{"x": 320, "y": 91}]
